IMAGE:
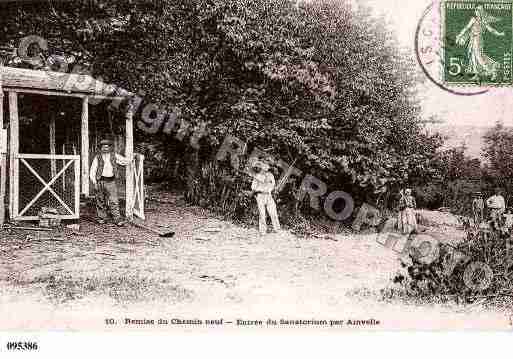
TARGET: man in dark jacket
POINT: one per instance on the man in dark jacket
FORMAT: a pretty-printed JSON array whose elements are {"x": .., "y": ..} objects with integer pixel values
[{"x": 103, "y": 174}]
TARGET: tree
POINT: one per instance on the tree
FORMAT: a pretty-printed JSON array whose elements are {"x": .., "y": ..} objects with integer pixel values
[
  {"x": 498, "y": 150},
  {"x": 458, "y": 178},
  {"x": 315, "y": 83}
]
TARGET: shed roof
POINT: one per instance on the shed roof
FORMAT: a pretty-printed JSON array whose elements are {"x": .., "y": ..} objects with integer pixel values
[{"x": 58, "y": 82}]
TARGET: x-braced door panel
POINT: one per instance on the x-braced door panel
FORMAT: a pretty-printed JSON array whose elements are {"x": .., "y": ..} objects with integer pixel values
[{"x": 46, "y": 181}]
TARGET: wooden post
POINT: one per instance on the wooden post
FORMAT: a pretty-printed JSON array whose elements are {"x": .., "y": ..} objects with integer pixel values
[
  {"x": 85, "y": 146},
  {"x": 14, "y": 144},
  {"x": 53, "y": 152},
  {"x": 129, "y": 154},
  {"x": 3, "y": 160},
  {"x": 64, "y": 164},
  {"x": 76, "y": 165}
]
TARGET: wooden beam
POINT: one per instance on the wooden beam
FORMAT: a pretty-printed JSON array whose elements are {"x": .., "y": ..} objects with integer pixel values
[
  {"x": 63, "y": 164},
  {"x": 129, "y": 154},
  {"x": 14, "y": 143},
  {"x": 53, "y": 164},
  {"x": 64, "y": 94},
  {"x": 3, "y": 161},
  {"x": 59, "y": 82},
  {"x": 36, "y": 218},
  {"x": 46, "y": 92},
  {"x": 47, "y": 157},
  {"x": 84, "y": 134}
]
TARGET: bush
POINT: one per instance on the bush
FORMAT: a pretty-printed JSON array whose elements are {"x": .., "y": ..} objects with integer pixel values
[
  {"x": 487, "y": 249},
  {"x": 457, "y": 195},
  {"x": 222, "y": 189},
  {"x": 226, "y": 191}
]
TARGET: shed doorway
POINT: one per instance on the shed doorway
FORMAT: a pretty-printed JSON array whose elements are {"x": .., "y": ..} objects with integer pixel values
[
  {"x": 54, "y": 124},
  {"x": 48, "y": 161}
]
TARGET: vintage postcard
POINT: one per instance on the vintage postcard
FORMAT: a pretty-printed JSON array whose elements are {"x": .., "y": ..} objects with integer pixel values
[{"x": 235, "y": 166}]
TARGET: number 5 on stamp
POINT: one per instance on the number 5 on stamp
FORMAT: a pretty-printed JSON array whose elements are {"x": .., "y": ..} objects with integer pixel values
[{"x": 477, "y": 42}]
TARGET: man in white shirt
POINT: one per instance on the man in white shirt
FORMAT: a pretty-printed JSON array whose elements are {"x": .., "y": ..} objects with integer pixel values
[
  {"x": 497, "y": 206},
  {"x": 103, "y": 174},
  {"x": 263, "y": 184}
]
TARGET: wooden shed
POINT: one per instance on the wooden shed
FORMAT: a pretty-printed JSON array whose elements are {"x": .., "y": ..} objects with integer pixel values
[{"x": 30, "y": 181}]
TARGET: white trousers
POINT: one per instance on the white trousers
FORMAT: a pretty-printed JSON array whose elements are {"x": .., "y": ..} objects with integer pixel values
[
  {"x": 266, "y": 205},
  {"x": 407, "y": 222}
]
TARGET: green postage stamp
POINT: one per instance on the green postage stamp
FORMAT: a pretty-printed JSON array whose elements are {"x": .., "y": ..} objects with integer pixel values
[{"x": 477, "y": 42}]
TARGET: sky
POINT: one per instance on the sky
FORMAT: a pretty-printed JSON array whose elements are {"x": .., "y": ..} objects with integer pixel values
[{"x": 481, "y": 110}]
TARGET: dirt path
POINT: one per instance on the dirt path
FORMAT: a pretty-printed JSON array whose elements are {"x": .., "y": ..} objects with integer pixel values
[{"x": 233, "y": 274}]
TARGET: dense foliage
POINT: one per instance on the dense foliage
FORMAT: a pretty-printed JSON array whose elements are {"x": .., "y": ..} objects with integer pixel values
[
  {"x": 479, "y": 269},
  {"x": 317, "y": 84},
  {"x": 459, "y": 177},
  {"x": 498, "y": 151}
]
